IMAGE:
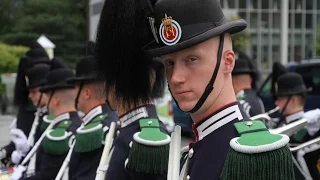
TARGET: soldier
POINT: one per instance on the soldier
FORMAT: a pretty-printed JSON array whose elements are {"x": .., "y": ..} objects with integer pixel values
[
  {"x": 291, "y": 95},
  {"x": 194, "y": 43},
  {"x": 243, "y": 76},
  {"x": 26, "y": 110},
  {"x": 55, "y": 143},
  {"x": 35, "y": 78},
  {"x": 90, "y": 100},
  {"x": 132, "y": 81}
]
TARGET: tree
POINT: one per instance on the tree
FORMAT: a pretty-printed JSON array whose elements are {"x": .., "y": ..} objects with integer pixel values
[
  {"x": 241, "y": 39},
  {"x": 317, "y": 45},
  {"x": 63, "y": 22},
  {"x": 9, "y": 57}
]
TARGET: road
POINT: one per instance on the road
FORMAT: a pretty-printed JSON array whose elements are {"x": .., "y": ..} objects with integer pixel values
[{"x": 6, "y": 120}]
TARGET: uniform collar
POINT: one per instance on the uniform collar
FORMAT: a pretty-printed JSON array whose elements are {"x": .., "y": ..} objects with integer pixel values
[
  {"x": 61, "y": 117},
  {"x": 220, "y": 118},
  {"x": 133, "y": 116},
  {"x": 43, "y": 109},
  {"x": 91, "y": 114},
  {"x": 294, "y": 117}
]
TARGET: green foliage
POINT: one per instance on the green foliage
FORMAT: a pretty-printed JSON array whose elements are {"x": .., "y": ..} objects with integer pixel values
[
  {"x": 9, "y": 57},
  {"x": 239, "y": 40},
  {"x": 62, "y": 21},
  {"x": 317, "y": 45}
]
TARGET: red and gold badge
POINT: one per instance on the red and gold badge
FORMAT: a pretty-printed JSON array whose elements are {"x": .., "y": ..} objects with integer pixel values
[{"x": 170, "y": 31}]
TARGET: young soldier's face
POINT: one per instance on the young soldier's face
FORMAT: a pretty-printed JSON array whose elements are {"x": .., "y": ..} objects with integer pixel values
[
  {"x": 189, "y": 72},
  {"x": 34, "y": 95}
]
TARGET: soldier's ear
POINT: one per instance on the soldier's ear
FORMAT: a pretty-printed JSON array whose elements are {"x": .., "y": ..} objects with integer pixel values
[
  {"x": 87, "y": 93},
  {"x": 228, "y": 61}
]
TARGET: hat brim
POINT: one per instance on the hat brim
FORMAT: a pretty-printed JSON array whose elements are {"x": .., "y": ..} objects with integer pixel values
[
  {"x": 292, "y": 93},
  {"x": 74, "y": 80},
  {"x": 37, "y": 84},
  {"x": 153, "y": 49},
  {"x": 244, "y": 71},
  {"x": 55, "y": 86}
]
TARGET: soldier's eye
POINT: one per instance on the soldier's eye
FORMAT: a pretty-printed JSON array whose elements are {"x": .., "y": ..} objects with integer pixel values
[
  {"x": 168, "y": 63},
  {"x": 192, "y": 59}
]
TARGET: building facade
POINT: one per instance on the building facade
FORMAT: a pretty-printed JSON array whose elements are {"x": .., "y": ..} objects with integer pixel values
[{"x": 264, "y": 25}]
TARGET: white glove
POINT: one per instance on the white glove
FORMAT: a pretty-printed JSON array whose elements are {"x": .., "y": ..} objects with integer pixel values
[
  {"x": 16, "y": 157},
  {"x": 17, "y": 173},
  {"x": 20, "y": 140}
]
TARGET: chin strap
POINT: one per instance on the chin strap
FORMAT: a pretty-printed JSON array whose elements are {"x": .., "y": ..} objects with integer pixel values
[
  {"x": 209, "y": 87},
  {"x": 78, "y": 95}
]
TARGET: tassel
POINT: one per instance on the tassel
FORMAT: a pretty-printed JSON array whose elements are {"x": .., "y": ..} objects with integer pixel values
[
  {"x": 54, "y": 146},
  {"x": 257, "y": 150},
  {"x": 149, "y": 151},
  {"x": 89, "y": 138}
]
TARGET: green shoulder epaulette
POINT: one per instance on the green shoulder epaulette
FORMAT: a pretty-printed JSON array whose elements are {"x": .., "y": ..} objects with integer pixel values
[
  {"x": 46, "y": 120},
  {"x": 90, "y": 136},
  {"x": 258, "y": 154},
  {"x": 149, "y": 151},
  {"x": 56, "y": 141}
]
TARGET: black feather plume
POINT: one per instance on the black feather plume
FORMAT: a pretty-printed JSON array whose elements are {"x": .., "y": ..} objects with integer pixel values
[
  {"x": 122, "y": 32},
  {"x": 20, "y": 89},
  {"x": 57, "y": 63},
  {"x": 90, "y": 48}
]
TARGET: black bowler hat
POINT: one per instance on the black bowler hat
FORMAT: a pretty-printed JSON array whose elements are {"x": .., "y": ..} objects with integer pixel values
[
  {"x": 243, "y": 66},
  {"x": 85, "y": 71},
  {"x": 36, "y": 76},
  {"x": 57, "y": 79},
  {"x": 37, "y": 56},
  {"x": 290, "y": 84},
  {"x": 180, "y": 24}
]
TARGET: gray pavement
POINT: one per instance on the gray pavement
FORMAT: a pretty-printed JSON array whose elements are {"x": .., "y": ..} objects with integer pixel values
[{"x": 5, "y": 122}]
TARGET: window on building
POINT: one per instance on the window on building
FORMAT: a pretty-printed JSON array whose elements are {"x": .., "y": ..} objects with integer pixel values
[
  {"x": 298, "y": 21},
  {"x": 298, "y": 6},
  {"x": 276, "y": 5},
  {"x": 309, "y": 20},
  {"x": 254, "y": 20},
  {"x": 242, "y": 4},
  {"x": 231, "y": 4},
  {"x": 222, "y": 3},
  {"x": 265, "y": 20},
  {"x": 276, "y": 20},
  {"x": 309, "y": 4},
  {"x": 265, "y": 5}
]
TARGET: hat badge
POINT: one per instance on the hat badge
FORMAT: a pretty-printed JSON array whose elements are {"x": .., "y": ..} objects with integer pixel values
[
  {"x": 170, "y": 31},
  {"x": 27, "y": 80}
]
